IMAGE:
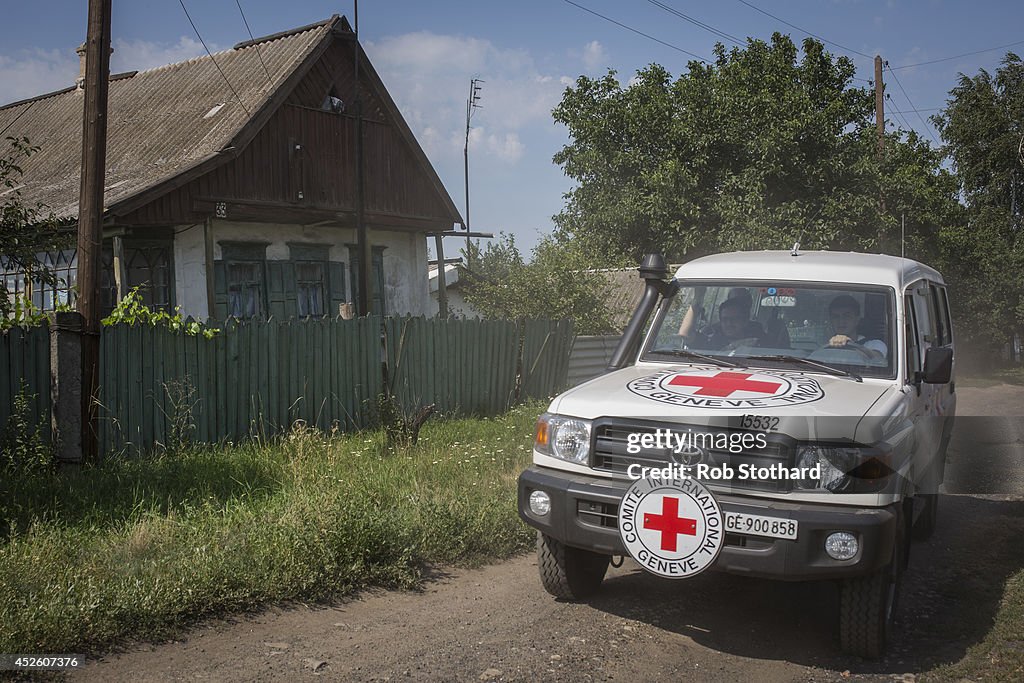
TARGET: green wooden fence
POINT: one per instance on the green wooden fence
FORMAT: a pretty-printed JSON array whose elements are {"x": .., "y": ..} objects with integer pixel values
[
  {"x": 256, "y": 378},
  {"x": 25, "y": 356}
]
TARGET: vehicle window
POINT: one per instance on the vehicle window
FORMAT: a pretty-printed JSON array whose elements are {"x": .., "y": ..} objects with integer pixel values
[
  {"x": 946, "y": 316},
  {"x": 913, "y": 359},
  {"x": 849, "y": 327},
  {"x": 940, "y": 311}
]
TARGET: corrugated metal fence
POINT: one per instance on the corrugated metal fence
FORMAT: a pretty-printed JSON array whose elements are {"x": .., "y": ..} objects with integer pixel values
[
  {"x": 25, "y": 356},
  {"x": 590, "y": 357},
  {"x": 257, "y": 377}
]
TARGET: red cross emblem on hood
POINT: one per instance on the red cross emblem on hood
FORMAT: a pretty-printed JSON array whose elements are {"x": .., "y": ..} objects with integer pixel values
[{"x": 724, "y": 384}]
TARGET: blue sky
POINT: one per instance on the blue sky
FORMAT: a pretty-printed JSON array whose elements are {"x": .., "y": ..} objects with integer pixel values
[{"x": 527, "y": 52}]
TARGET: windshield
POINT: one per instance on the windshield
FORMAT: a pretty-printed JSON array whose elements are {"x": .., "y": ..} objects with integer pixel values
[{"x": 772, "y": 324}]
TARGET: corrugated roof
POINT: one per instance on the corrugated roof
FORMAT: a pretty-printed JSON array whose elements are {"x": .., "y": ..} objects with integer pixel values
[{"x": 160, "y": 122}]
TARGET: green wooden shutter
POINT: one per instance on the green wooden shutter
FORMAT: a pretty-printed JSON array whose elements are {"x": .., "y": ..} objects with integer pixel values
[
  {"x": 220, "y": 291},
  {"x": 336, "y": 287},
  {"x": 281, "y": 289},
  {"x": 377, "y": 278}
]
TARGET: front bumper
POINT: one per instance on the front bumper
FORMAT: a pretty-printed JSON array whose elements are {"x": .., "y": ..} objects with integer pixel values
[{"x": 584, "y": 514}]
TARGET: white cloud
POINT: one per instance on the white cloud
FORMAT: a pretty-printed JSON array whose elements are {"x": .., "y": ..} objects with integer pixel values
[
  {"x": 594, "y": 56},
  {"x": 139, "y": 55},
  {"x": 34, "y": 72},
  {"x": 506, "y": 147},
  {"x": 428, "y": 75}
]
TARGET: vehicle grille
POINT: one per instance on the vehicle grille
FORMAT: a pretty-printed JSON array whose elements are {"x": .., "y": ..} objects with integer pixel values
[{"x": 610, "y": 454}]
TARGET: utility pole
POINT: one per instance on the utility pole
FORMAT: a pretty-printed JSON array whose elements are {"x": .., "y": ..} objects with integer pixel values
[
  {"x": 471, "y": 106},
  {"x": 365, "y": 297},
  {"x": 879, "y": 106},
  {"x": 90, "y": 212},
  {"x": 880, "y": 127}
]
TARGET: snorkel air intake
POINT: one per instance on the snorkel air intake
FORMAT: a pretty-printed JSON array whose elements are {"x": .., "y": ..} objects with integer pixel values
[{"x": 654, "y": 271}]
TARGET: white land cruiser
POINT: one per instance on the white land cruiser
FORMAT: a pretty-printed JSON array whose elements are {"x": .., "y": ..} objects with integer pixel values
[{"x": 786, "y": 415}]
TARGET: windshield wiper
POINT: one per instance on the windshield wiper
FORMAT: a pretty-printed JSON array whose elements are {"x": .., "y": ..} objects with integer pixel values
[
  {"x": 684, "y": 353},
  {"x": 821, "y": 366}
]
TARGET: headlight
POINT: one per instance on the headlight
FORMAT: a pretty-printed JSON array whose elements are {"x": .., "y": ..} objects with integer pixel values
[
  {"x": 834, "y": 463},
  {"x": 567, "y": 438},
  {"x": 843, "y": 469}
]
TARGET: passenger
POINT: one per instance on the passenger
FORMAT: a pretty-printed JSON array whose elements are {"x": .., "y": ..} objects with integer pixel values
[
  {"x": 734, "y": 324},
  {"x": 844, "y": 315}
]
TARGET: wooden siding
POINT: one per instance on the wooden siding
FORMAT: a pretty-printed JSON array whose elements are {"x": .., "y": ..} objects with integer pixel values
[{"x": 319, "y": 175}]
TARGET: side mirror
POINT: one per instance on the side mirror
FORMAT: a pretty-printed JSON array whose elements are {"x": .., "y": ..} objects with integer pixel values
[{"x": 938, "y": 365}]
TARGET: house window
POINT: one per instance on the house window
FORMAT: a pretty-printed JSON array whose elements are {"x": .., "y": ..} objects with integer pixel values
[
  {"x": 44, "y": 296},
  {"x": 309, "y": 284},
  {"x": 64, "y": 265},
  {"x": 13, "y": 279},
  {"x": 245, "y": 276},
  {"x": 148, "y": 267},
  {"x": 311, "y": 278}
]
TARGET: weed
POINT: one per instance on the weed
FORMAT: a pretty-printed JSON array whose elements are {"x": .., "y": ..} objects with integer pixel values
[{"x": 23, "y": 447}]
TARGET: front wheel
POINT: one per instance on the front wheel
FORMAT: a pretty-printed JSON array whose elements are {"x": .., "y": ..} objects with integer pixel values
[
  {"x": 567, "y": 572},
  {"x": 867, "y": 606}
]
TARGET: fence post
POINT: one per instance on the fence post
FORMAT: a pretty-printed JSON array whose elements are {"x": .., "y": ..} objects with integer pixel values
[{"x": 66, "y": 386}]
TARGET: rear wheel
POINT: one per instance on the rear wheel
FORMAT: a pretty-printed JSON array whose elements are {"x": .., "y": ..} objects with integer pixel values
[
  {"x": 867, "y": 605},
  {"x": 567, "y": 572}
]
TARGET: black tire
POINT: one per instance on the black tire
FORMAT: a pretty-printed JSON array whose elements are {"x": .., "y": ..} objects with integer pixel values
[
  {"x": 868, "y": 604},
  {"x": 926, "y": 522},
  {"x": 567, "y": 572}
]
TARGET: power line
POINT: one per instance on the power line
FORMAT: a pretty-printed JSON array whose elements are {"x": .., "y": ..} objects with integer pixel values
[
  {"x": 638, "y": 32},
  {"x": 899, "y": 115},
  {"x": 966, "y": 54},
  {"x": 223, "y": 75},
  {"x": 254, "y": 43},
  {"x": 803, "y": 30},
  {"x": 706, "y": 27},
  {"x": 920, "y": 118}
]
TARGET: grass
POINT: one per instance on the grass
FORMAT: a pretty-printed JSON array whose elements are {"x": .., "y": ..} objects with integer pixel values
[
  {"x": 1000, "y": 656},
  {"x": 140, "y": 547}
]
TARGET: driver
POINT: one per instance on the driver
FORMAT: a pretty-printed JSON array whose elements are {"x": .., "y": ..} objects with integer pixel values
[{"x": 844, "y": 315}]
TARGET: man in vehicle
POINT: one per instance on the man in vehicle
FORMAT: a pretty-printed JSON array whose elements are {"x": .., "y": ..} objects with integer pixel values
[
  {"x": 844, "y": 315},
  {"x": 734, "y": 324}
]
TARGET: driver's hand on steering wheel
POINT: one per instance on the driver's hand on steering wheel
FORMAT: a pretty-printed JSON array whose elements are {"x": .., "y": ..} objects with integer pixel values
[{"x": 839, "y": 340}]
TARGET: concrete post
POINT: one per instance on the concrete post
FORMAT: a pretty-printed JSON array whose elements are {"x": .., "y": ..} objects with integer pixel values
[{"x": 66, "y": 385}]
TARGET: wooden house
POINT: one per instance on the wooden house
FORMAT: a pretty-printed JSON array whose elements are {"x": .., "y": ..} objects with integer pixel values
[{"x": 232, "y": 182}]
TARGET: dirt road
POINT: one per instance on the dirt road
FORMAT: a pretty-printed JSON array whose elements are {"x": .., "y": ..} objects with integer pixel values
[{"x": 497, "y": 623}]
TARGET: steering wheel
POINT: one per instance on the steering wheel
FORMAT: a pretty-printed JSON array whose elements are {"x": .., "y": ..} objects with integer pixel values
[
  {"x": 731, "y": 347},
  {"x": 866, "y": 353}
]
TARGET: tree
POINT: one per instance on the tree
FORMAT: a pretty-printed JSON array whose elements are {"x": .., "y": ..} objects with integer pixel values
[
  {"x": 762, "y": 148},
  {"x": 558, "y": 282},
  {"x": 26, "y": 230},
  {"x": 983, "y": 128}
]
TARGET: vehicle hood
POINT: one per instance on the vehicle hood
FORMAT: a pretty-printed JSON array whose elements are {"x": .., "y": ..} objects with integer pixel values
[{"x": 808, "y": 404}]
